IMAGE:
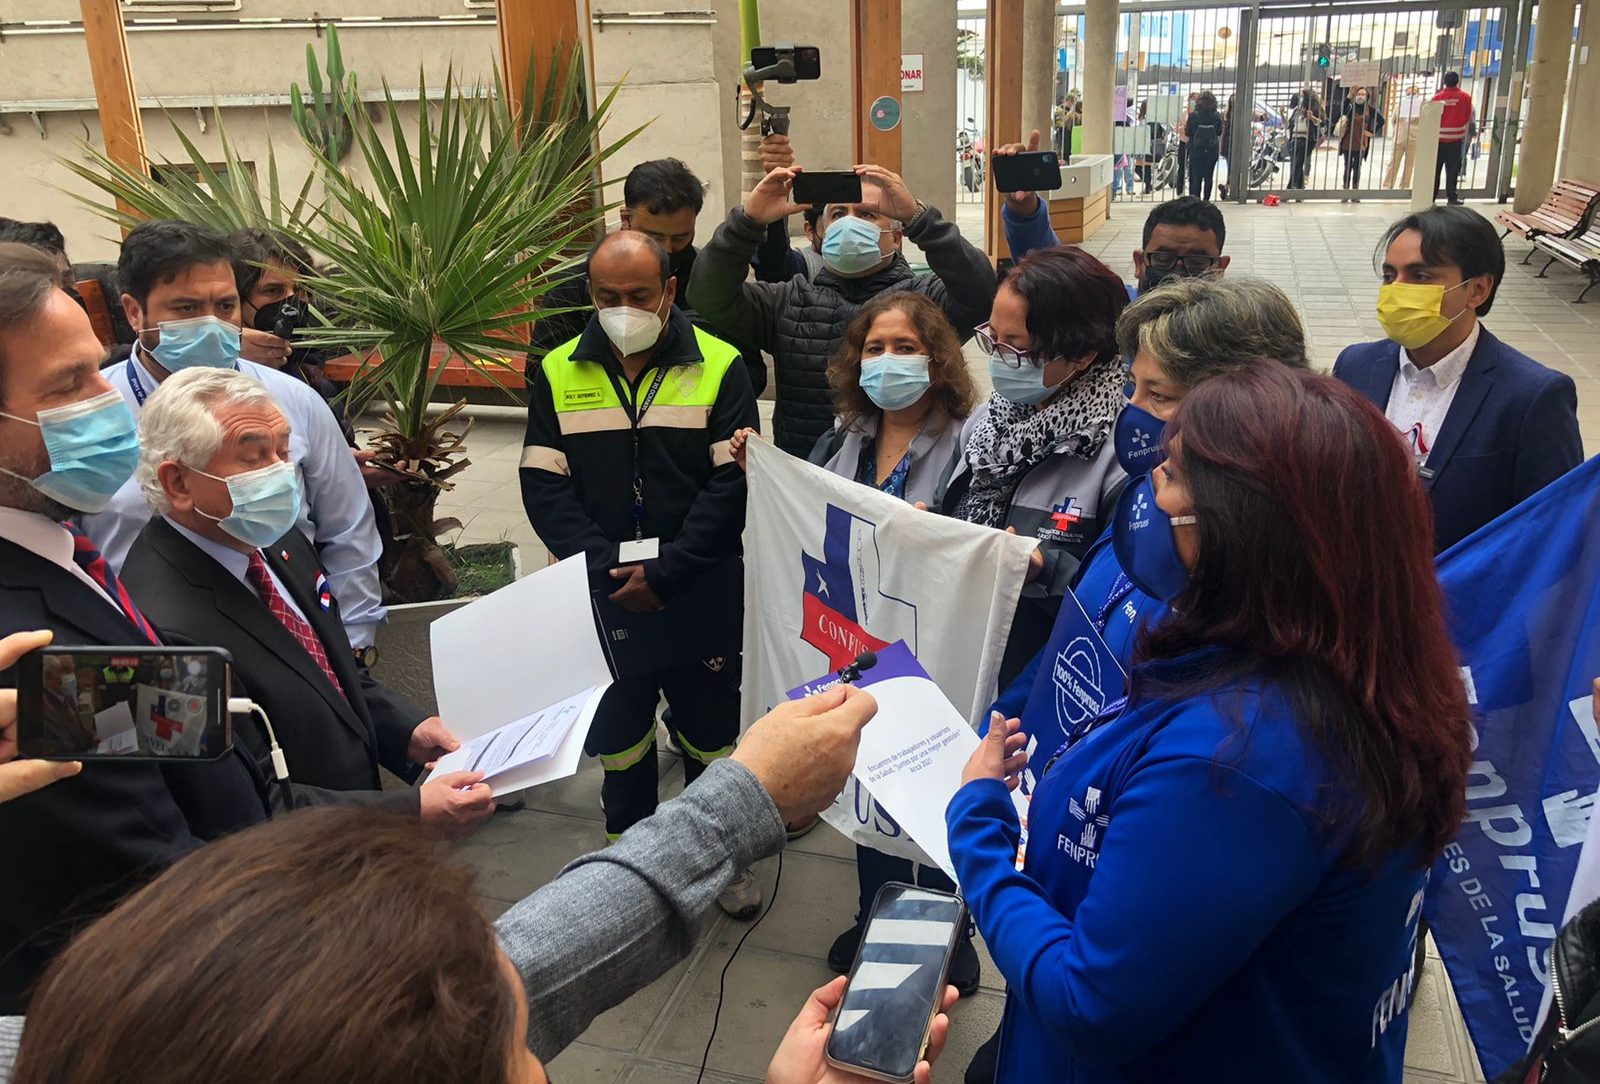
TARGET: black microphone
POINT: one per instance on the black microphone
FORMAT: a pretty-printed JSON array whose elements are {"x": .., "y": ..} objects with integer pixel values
[{"x": 851, "y": 674}]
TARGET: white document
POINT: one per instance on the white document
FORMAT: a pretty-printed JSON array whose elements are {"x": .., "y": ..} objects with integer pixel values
[
  {"x": 520, "y": 753},
  {"x": 512, "y": 659},
  {"x": 113, "y": 722},
  {"x": 913, "y": 751}
]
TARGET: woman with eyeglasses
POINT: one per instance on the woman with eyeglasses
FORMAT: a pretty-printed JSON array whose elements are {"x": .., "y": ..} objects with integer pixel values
[
  {"x": 1037, "y": 457},
  {"x": 1225, "y": 873}
]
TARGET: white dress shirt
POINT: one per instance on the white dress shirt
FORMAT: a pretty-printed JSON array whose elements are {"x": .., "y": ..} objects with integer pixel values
[
  {"x": 44, "y": 537},
  {"x": 1420, "y": 398},
  {"x": 335, "y": 510},
  {"x": 237, "y": 564}
]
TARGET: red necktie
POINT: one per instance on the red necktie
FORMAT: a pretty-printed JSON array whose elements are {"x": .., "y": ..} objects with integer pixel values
[
  {"x": 297, "y": 626},
  {"x": 88, "y": 558}
]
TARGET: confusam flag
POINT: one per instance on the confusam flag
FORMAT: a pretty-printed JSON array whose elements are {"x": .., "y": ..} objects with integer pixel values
[
  {"x": 1524, "y": 604},
  {"x": 834, "y": 568},
  {"x": 169, "y": 723}
]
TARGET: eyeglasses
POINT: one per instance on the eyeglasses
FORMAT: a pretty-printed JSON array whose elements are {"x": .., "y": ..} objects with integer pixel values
[
  {"x": 1195, "y": 263},
  {"x": 1009, "y": 356}
]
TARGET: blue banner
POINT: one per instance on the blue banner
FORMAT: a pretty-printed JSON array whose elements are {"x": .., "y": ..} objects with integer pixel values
[
  {"x": 1079, "y": 679},
  {"x": 1524, "y": 602}
]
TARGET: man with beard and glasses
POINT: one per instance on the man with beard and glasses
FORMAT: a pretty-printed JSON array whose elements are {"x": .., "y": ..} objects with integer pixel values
[{"x": 1183, "y": 237}]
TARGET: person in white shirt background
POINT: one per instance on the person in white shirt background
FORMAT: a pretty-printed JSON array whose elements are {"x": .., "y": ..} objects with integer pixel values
[{"x": 179, "y": 293}]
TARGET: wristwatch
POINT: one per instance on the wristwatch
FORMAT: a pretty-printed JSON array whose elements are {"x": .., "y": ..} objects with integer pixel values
[{"x": 366, "y": 657}]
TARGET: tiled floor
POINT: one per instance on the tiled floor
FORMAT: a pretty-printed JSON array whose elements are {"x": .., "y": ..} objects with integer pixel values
[{"x": 1321, "y": 255}]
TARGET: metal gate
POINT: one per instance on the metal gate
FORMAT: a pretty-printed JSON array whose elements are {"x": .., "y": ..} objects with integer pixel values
[
  {"x": 1303, "y": 69},
  {"x": 1260, "y": 59}
]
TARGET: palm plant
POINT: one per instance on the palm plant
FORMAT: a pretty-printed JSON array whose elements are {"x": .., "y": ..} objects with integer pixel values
[
  {"x": 225, "y": 199},
  {"x": 470, "y": 219}
]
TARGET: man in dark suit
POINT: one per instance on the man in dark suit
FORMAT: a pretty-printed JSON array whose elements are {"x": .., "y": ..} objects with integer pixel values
[
  {"x": 1489, "y": 426},
  {"x": 71, "y": 850},
  {"x": 221, "y": 563}
]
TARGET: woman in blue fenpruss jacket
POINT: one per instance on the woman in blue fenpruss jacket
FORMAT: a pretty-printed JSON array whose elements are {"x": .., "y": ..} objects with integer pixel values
[{"x": 1223, "y": 879}]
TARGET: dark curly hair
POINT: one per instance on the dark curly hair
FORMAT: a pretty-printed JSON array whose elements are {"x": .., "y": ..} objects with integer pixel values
[{"x": 950, "y": 382}]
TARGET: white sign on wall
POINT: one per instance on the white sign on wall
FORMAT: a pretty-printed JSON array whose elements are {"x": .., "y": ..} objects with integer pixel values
[{"x": 910, "y": 72}]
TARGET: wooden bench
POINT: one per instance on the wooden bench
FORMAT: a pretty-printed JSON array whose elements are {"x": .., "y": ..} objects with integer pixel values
[
  {"x": 94, "y": 299},
  {"x": 457, "y": 373},
  {"x": 1565, "y": 212},
  {"x": 1581, "y": 253}
]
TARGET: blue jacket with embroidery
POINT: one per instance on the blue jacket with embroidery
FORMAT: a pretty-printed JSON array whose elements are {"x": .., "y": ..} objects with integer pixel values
[{"x": 1182, "y": 913}]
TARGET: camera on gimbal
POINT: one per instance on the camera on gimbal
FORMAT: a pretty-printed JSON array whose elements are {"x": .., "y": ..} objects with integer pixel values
[
  {"x": 784, "y": 62},
  {"x": 290, "y": 317}
]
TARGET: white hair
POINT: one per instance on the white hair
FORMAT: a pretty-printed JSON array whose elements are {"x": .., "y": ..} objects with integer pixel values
[{"x": 179, "y": 422}]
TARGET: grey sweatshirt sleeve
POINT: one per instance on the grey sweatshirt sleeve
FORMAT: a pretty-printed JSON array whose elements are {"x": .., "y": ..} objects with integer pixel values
[
  {"x": 747, "y": 311},
  {"x": 10, "y": 1040},
  {"x": 962, "y": 282},
  {"x": 614, "y": 921}
]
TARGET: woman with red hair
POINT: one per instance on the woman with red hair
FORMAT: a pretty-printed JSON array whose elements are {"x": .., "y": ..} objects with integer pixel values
[{"x": 1224, "y": 873}]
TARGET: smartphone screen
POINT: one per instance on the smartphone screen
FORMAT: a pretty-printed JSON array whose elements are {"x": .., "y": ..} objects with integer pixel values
[
  {"x": 123, "y": 702},
  {"x": 897, "y": 982},
  {"x": 824, "y": 187}
]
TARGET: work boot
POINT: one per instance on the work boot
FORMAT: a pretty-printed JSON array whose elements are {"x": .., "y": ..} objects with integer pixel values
[
  {"x": 965, "y": 971},
  {"x": 741, "y": 899},
  {"x": 985, "y": 1061},
  {"x": 842, "y": 953},
  {"x": 801, "y": 828}
]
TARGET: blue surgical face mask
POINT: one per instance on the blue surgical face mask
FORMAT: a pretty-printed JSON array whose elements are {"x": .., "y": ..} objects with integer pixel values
[
  {"x": 1137, "y": 439},
  {"x": 204, "y": 341},
  {"x": 93, "y": 446},
  {"x": 850, "y": 246},
  {"x": 1141, "y": 536},
  {"x": 1024, "y": 386},
  {"x": 266, "y": 504},
  {"x": 894, "y": 381}
]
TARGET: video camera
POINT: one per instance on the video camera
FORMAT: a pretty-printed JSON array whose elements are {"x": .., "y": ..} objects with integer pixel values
[{"x": 784, "y": 62}]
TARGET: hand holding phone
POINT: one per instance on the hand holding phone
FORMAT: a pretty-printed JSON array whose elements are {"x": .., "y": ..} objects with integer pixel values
[
  {"x": 800, "y": 1057},
  {"x": 19, "y": 777},
  {"x": 884, "y": 1028},
  {"x": 827, "y": 186}
]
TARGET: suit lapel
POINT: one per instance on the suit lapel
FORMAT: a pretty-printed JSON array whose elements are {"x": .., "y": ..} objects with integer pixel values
[
  {"x": 236, "y": 602},
  {"x": 68, "y": 600},
  {"x": 1376, "y": 381},
  {"x": 1476, "y": 383}
]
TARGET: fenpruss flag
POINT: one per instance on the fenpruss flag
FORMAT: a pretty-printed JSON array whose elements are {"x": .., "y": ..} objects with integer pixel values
[{"x": 834, "y": 568}]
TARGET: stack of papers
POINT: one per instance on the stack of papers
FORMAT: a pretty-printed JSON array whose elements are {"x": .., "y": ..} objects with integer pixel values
[{"x": 519, "y": 674}]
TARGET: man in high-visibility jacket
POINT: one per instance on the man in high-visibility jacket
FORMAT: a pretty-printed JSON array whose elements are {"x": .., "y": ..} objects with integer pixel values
[
  {"x": 626, "y": 462},
  {"x": 1453, "y": 127}
]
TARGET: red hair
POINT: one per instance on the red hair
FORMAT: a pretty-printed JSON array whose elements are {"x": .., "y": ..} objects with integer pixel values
[{"x": 1316, "y": 572}]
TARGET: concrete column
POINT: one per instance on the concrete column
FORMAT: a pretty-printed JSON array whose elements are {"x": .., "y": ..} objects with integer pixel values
[
  {"x": 1099, "y": 52},
  {"x": 1038, "y": 66},
  {"x": 1547, "y": 87},
  {"x": 1425, "y": 157},
  {"x": 1581, "y": 157}
]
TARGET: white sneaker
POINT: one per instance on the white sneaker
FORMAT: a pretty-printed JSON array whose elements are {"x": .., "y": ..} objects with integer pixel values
[{"x": 741, "y": 899}]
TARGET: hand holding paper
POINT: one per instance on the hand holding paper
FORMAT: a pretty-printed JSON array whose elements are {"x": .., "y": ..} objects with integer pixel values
[
  {"x": 1001, "y": 755},
  {"x": 803, "y": 751}
]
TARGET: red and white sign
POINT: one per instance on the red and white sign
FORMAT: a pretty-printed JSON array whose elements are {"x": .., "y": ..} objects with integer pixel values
[{"x": 910, "y": 72}]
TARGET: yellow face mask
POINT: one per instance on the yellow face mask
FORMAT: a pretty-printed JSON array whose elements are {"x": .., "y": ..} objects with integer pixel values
[{"x": 1410, "y": 313}]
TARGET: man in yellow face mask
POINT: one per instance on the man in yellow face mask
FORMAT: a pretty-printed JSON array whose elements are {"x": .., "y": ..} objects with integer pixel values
[{"x": 1488, "y": 425}]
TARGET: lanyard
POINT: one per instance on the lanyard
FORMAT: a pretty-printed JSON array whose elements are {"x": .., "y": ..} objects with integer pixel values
[
  {"x": 139, "y": 394},
  {"x": 1121, "y": 588},
  {"x": 636, "y": 417}
]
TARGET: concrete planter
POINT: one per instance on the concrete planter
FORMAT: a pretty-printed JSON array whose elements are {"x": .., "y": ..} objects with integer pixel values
[{"x": 405, "y": 660}]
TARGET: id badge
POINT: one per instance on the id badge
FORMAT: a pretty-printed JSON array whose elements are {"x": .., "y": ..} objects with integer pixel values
[{"x": 645, "y": 549}]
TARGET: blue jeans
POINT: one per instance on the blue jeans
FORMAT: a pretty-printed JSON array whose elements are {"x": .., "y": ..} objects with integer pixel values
[
  {"x": 874, "y": 869},
  {"x": 1122, "y": 180}
]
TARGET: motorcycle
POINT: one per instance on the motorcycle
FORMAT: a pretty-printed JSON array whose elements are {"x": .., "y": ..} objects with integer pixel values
[
  {"x": 970, "y": 157},
  {"x": 1269, "y": 151},
  {"x": 1165, "y": 172}
]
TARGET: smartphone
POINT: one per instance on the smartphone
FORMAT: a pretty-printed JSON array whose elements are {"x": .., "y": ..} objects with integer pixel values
[
  {"x": 124, "y": 703},
  {"x": 807, "y": 59},
  {"x": 1029, "y": 171},
  {"x": 897, "y": 982},
  {"x": 825, "y": 186}
]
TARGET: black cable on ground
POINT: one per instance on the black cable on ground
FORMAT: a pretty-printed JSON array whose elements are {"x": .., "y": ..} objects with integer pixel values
[{"x": 722, "y": 982}]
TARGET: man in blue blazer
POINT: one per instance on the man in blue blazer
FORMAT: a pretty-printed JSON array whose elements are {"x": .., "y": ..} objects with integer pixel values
[{"x": 1488, "y": 425}]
